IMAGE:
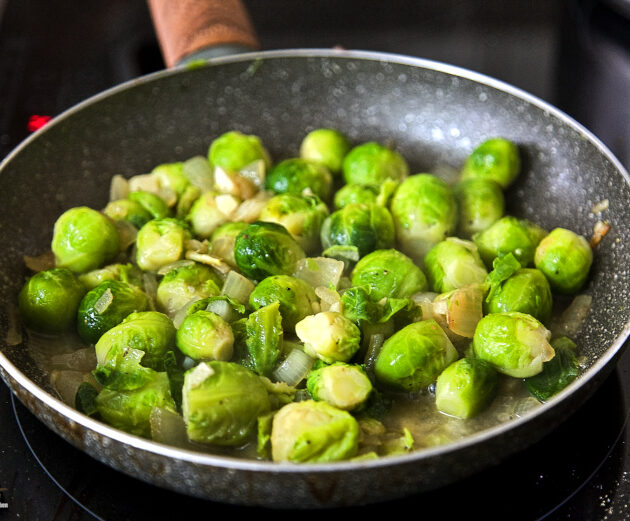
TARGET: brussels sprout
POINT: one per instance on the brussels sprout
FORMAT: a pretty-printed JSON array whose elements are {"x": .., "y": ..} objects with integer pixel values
[
  {"x": 372, "y": 163},
  {"x": 509, "y": 235},
  {"x": 480, "y": 202},
  {"x": 453, "y": 263},
  {"x": 342, "y": 385},
  {"x": 565, "y": 258},
  {"x": 223, "y": 238},
  {"x": 350, "y": 194},
  {"x": 514, "y": 343},
  {"x": 130, "y": 410},
  {"x": 84, "y": 239},
  {"x": 466, "y": 387},
  {"x": 48, "y": 300},
  {"x": 235, "y": 150},
  {"x": 412, "y": 358},
  {"x": 171, "y": 176},
  {"x": 297, "y": 176},
  {"x": 151, "y": 202},
  {"x": 388, "y": 273},
  {"x": 557, "y": 373},
  {"x": 106, "y": 306},
  {"x": 204, "y": 335},
  {"x": 327, "y": 146},
  {"x": 297, "y": 298},
  {"x": 222, "y": 402},
  {"x": 425, "y": 212},
  {"x": 182, "y": 284},
  {"x": 161, "y": 242},
  {"x": 263, "y": 338},
  {"x": 329, "y": 336},
  {"x": 497, "y": 159},
  {"x": 313, "y": 432},
  {"x": 527, "y": 291},
  {"x": 263, "y": 249},
  {"x": 368, "y": 227},
  {"x": 210, "y": 211},
  {"x": 301, "y": 215},
  {"x": 141, "y": 339},
  {"x": 128, "y": 210},
  {"x": 124, "y": 272}
]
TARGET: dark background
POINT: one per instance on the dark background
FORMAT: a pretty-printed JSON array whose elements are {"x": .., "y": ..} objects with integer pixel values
[{"x": 574, "y": 54}]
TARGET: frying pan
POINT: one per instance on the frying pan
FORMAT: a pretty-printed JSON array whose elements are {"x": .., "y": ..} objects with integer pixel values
[{"x": 433, "y": 112}]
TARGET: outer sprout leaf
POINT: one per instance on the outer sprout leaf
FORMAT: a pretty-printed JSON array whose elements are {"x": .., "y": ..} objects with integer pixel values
[
  {"x": 504, "y": 267},
  {"x": 557, "y": 373},
  {"x": 264, "y": 338},
  {"x": 85, "y": 400}
]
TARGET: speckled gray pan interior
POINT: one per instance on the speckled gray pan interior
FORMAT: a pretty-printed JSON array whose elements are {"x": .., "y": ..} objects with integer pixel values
[{"x": 433, "y": 113}]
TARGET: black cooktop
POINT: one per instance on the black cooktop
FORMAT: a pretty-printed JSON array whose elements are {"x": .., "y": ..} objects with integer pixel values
[{"x": 54, "y": 53}]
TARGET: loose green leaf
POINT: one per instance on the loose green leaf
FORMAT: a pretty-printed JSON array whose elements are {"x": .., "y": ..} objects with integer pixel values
[{"x": 557, "y": 373}]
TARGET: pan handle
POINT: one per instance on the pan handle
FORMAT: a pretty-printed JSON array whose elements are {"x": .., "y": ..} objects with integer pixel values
[{"x": 201, "y": 29}]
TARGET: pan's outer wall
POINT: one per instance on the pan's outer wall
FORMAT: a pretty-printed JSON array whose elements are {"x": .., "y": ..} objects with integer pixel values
[{"x": 434, "y": 115}]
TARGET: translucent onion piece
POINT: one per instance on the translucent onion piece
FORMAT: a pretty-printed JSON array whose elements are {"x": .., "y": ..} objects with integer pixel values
[
  {"x": 425, "y": 300},
  {"x": 199, "y": 172},
  {"x": 238, "y": 287},
  {"x": 255, "y": 172},
  {"x": 222, "y": 308},
  {"x": 67, "y": 382},
  {"x": 571, "y": 320},
  {"x": 249, "y": 210},
  {"x": 150, "y": 285},
  {"x": 465, "y": 310},
  {"x": 14, "y": 331},
  {"x": 168, "y": 427},
  {"x": 104, "y": 301},
  {"x": 118, "y": 188},
  {"x": 182, "y": 312},
  {"x": 82, "y": 360},
  {"x": 319, "y": 271},
  {"x": 224, "y": 182},
  {"x": 329, "y": 299},
  {"x": 144, "y": 182},
  {"x": 223, "y": 247},
  {"x": 168, "y": 195},
  {"x": 41, "y": 262},
  {"x": 127, "y": 233},
  {"x": 227, "y": 204},
  {"x": 294, "y": 368},
  {"x": 210, "y": 260}
]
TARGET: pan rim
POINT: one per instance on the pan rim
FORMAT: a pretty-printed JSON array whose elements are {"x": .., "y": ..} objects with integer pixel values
[{"x": 204, "y": 459}]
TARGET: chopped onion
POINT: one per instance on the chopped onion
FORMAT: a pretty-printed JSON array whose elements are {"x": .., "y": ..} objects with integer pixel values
[
  {"x": 67, "y": 382},
  {"x": 41, "y": 262},
  {"x": 104, "y": 301},
  {"x": 319, "y": 271},
  {"x": 238, "y": 287},
  {"x": 82, "y": 360},
  {"x": 249, "y": 210},
  {"x": 118, "y": 188},
  {"x": 255, "y": 172},
  {"x": 150, "y": 285},
  {"x": 145, "y": 183},
  {"x": 168, "y": 427},
  {"x": 329, "y": 299},
  {"x": 168, "y": 195},
  {"x": 571, "y": 320},
  {"x": 14, "y": 331},
  {"x": 199, "y": 172},
  {"x": 181, "y": 313},
  {"x": 210, "y": 260},
  {"x": 227, "y": 204},
  {"x": 424, "y": 301},
  {"x": 465, "y": 310},
  {"x": 600, "y": 230},
  {"x": 294, "y": 368},
  {"x": 127, "y": 233},
  {"x": 222, "y": 308}
]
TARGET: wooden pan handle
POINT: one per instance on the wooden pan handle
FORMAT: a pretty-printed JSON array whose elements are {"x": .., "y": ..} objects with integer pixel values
[{"x": 186, "y": 28}]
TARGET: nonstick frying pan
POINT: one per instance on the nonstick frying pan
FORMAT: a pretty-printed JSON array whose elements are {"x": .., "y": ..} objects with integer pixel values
[{"x": 434, "y": 113}]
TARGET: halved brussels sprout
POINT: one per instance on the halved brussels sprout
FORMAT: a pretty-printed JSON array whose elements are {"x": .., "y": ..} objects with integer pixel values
[
  {"x": 372, "y": 163},
  {"x": 234, "y": 150},
  {"x": 514, "y": 343},
  {"x": 565, "y": 258},
  {"x": 299, "y": 176},
  {"x": 342, "y": 385},
  {"x": 509, "y": 235},
  {"x": 368, "y": 227},
  {"x": 263, "y": 249},
  {"x": 152, "y": 203},
  {"x": 425, "y": 212},
  {"x": 466, "y": 387},
  {"x": 204, "y": 335},
  {"x": 84, "y": 239},
  {"x": 161, "y": 242},
  {"x": 310, "y": 431},
  {"x": 327, "y": 146},
  {"x": 182, "y": 284},
  {"x": 106, "y": 306},
  {"x": 412, "y": 358},
  {"x": 222, "y": 402},
  {"x": 453, "y": 263},
  {"x": 301, "y": 215},
  {"x": 48, "y": 301},
  {"x": 388, "y": 273},
  {"x": 296, "y": 297},
  {"x": 329, "y": 336},
  {"x": 481, "y": 202},
  {"x": 497, "y": 159}
]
